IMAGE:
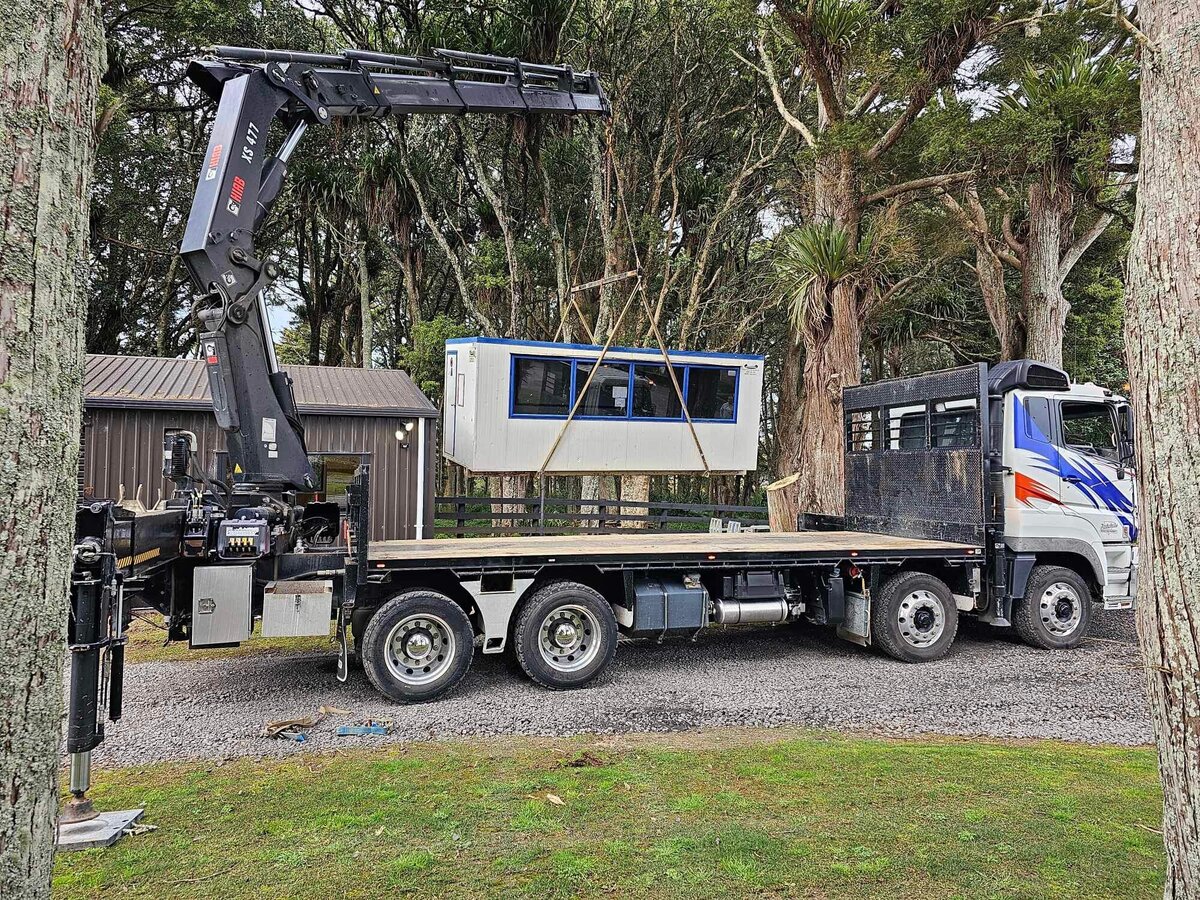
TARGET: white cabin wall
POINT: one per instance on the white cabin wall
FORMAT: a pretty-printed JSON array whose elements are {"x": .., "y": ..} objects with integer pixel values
[{"x": 489, "y": 441}]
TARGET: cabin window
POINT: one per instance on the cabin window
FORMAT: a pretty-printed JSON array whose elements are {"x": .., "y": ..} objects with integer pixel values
[
  {"x": 654, "y": 395},
  {"x": 1089, "y": 428},
  {"x": 548, "y": 387},
  {"x": 711, "y": 393},
  {"x": 608, "y": 394},
  {"x": 1037, "y": 419},
  {"x": 954, "y": 423},
  {"x": 906, "y": 428},
  {"x": 541, "y": 387}
]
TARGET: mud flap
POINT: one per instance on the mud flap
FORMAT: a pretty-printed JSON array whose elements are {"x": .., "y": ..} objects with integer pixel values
[
  {"x": 343, "y": 668},
  {"x": 856, "y": 628}
]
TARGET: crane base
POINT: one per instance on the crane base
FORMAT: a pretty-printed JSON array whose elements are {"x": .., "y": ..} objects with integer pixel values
[{"x": 102, "y": 831}]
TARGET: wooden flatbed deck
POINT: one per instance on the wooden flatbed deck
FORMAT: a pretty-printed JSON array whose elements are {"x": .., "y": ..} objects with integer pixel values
[{"x": 641, "y": 548}]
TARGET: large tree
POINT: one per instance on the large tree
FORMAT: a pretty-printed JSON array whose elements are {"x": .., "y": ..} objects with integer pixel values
[
  {"x": 1163, "y": 339},
  {"x": 50, "y": 59},
  {"x": 860, "y": 77}
]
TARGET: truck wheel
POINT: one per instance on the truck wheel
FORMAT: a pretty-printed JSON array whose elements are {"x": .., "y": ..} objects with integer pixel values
[
  {"x": 914, "y": 617},
  {"x": 565, "y": 635},
  {"x": 417, "y": 646},
  {"x": 1056, "y": 609}
]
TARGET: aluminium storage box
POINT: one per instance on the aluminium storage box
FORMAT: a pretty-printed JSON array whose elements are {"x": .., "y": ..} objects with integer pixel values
[
  {"x": 221, "y": 611},
  {"x": 297, "y": 608}
]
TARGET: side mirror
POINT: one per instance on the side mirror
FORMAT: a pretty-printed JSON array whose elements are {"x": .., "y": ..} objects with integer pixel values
[{"x": 1125, "y": 448}]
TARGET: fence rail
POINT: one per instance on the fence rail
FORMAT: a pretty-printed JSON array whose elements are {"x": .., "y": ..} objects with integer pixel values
[{"x": 476, "y": 516}]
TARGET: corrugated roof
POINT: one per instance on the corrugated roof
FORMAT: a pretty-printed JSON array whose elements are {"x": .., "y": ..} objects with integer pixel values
[{"x": 157, "y": 383}]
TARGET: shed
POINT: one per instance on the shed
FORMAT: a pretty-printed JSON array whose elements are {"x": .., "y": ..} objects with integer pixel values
[
  {"x": 507, "y": 401},
  {"x": 131, "y": 401}
]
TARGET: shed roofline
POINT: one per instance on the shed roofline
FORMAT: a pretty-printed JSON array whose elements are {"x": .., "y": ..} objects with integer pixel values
[
  {"x": 651, "y": 351},
  {"x": 117, "y": 381},
  {"x": 387, "y": 412}
]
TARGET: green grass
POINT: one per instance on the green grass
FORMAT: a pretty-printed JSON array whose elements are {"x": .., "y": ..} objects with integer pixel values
[
  {"x": 721, "y": 814},
  {"x": 146, "y": 645}
]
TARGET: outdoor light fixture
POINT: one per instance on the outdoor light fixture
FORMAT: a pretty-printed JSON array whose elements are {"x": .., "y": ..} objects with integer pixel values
[{"x": 402, "y": 434}]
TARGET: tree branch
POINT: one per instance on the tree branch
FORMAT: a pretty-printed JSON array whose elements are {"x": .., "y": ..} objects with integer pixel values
[
  {"x": 814, "y": 61},
  {"x": 1080, "y": 246},
  {"x": 915, "y": 104},
  {"x": 768, "y": 72},
  {"x": 866, "y": 100},
  {"x": 917, "y": 184},
  {"x": 1009, "y": 238}
]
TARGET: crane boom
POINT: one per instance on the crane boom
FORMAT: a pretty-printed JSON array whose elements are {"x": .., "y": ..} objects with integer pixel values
[{"x": 239, "y": 183}]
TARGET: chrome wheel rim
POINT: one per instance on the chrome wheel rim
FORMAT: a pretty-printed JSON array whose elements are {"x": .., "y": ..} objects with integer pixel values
[
  {"x": 569, "y": 638},
  {"x": 1061, "y": 609},
  {"x": 921, "y": 618},
  {"x": 420, "y": 649}
]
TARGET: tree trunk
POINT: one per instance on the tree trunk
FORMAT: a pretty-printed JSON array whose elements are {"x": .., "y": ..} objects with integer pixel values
[
  {"x": 990, "y": 272},
  {"x": 832, "y": 341},
  {"x": 364, "y": 300},
  {"x": 1042, "y": 301},
  {"x": 636, "y": 489},
  {"x": 787, "y": 421},
  {"x": 1162, "y": 332},
  {"x": 782, "y": 514},
  {"x": 832, "y": 361},
  {"x": 50, "y": 61}
]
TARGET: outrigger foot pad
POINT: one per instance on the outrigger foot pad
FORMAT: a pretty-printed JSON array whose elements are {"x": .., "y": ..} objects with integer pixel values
[{"x": 100, "y": 830}]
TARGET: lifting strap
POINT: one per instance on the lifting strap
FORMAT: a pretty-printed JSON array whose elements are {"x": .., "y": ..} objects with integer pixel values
[{"x": 639, "y": 290}]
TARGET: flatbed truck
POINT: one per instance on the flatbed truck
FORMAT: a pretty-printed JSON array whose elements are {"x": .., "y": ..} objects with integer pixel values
[{"x": 1001, "y": 492}]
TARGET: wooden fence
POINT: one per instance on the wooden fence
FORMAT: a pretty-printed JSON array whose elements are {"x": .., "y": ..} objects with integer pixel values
[{"x": 476, "y": 516}]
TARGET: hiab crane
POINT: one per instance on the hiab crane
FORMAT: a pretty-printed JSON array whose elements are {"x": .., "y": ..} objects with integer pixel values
[
  {"x": 249, "y": 526},
  {"x": 1001, "y": 492}
]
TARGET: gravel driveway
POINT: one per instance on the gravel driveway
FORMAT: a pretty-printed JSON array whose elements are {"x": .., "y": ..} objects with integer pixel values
[{"x": 989, "y": 685}]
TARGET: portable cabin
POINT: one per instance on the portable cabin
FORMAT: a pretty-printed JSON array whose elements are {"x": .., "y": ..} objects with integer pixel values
[{"x": 506, "y": 402}]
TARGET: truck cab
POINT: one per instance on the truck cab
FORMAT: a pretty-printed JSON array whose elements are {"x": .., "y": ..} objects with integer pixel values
[
  {"x": 1069, "y": 492},
  {"x": 1017, "y": 460}
]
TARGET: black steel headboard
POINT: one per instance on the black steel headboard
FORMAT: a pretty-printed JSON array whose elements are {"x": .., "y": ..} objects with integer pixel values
[{"x": 915, "y": 455}]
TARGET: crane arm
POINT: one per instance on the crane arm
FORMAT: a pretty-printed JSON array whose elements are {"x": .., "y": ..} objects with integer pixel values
[{"x": 239, "y": 183}]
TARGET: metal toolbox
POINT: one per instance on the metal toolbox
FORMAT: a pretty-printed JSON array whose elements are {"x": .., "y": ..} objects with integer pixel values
[
  {"x": 662, "y": 604},
  {"x": 297, "y": 608},
  {"x": 221, "y": 612}
]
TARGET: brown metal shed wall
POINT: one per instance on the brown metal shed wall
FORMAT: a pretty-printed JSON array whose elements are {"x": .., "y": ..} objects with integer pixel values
[{"x": 124, "y": 446}]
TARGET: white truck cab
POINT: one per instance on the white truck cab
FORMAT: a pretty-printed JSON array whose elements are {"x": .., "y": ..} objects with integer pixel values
[
  {"x": 1014, "y": 459},
  {"x": 1069, "y": 488}
]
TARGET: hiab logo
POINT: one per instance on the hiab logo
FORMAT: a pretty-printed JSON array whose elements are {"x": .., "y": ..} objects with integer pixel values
[
  {"x": 235, "y": 195},
  {"x": 214, "y": 160}
]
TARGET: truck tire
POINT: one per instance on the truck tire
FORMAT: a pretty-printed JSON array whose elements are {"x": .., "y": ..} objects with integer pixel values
[
  {"x": 1056, "y": 610},
  {"x": 565, "y": 635},
  {"x": 914, "y": 617},
  {"x": 417, "y": 646}
]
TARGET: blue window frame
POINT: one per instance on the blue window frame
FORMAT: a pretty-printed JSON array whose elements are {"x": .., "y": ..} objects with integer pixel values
[
  {"x": 607, "y": 396},
  {"x": 711, "y": 393},
  {"x": 545, "y": 387},
  {"x": 540, "y": 386},
  {"x": 654, "y": 395}
]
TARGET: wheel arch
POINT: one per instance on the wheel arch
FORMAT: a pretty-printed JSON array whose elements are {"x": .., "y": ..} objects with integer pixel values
[
  {"x": 610, "y": 585},
  {"x": 1071, "y": 553},
  {"x": 1077, "y": 564},
  {"x": 442, "y": 581}
]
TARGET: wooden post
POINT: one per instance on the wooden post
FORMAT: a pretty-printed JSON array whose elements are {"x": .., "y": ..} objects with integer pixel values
[{"x": 782, "y": 512}]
